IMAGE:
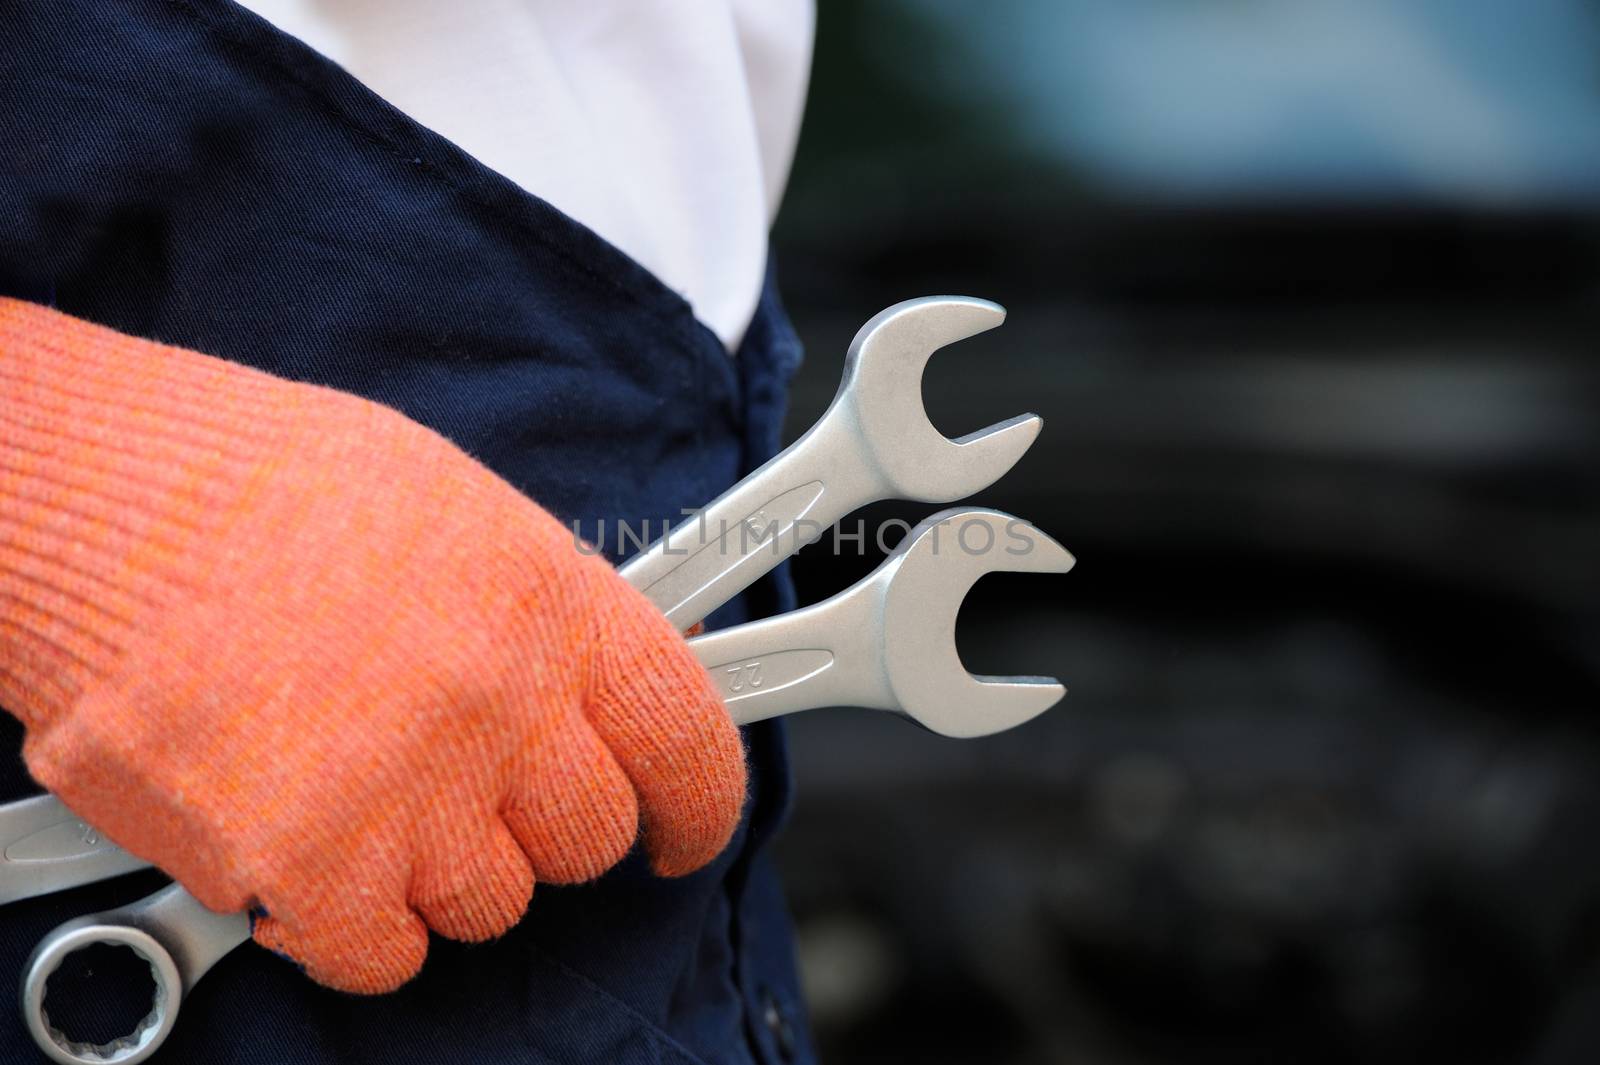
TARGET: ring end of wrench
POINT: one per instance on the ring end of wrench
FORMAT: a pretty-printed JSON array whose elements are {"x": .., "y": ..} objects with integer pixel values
[{"x": 148, "y": 1034}]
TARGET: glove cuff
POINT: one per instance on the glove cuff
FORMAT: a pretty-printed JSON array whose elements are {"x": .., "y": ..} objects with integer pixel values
[{"x": 117, "y": 455}]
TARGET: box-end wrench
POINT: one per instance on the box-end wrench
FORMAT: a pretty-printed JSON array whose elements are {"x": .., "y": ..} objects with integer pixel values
[
  {"x": 887, "y": 643},
  {"x": 874, "y": 442}
]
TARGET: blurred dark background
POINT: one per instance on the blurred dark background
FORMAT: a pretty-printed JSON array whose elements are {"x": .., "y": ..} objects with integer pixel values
[{"x": 1307, "y": 295}]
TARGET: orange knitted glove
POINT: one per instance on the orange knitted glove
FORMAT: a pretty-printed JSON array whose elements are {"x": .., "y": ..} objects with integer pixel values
[{"x": 303, "y": 653}]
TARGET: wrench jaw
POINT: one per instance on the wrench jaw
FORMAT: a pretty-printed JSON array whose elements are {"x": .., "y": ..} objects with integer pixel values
[
  {"x": 915, "y": 460},
  {"x": 936, "y": 565},
  {"x": 986, "y": 455}
]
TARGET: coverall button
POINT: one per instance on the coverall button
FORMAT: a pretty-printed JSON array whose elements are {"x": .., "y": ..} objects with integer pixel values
[{"x": 777, "y": 1023}]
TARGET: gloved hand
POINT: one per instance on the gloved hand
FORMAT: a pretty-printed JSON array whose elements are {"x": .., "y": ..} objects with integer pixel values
[{"x": 303, "y": 653}]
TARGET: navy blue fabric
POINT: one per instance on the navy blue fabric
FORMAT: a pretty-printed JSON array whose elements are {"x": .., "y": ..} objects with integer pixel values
[{"x": 180, "y": 170}]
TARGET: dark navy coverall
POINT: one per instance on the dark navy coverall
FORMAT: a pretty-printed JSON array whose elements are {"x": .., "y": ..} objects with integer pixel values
[{"x": 180, "y": 170}]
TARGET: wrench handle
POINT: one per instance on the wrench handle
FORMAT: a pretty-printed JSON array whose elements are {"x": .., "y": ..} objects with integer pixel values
[
  {"x": 803, "y": 660},
  {"x": 45, "y": 847},
  {"x": 711, "y": 556}
]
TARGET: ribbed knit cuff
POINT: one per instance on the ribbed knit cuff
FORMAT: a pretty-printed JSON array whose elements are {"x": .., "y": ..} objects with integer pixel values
[{"x": 116, "y": 456}]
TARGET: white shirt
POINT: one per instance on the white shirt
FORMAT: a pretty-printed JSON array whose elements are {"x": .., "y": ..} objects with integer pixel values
[{"x": 666, "y": 126}]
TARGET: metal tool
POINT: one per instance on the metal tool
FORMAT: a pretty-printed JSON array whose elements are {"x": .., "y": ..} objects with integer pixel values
[
  {"x": 887, "y": 642},
  {"x": 179, "y": 939},
  {"x": 873, "y": 442},
  {"x": 45, "y": 848}
]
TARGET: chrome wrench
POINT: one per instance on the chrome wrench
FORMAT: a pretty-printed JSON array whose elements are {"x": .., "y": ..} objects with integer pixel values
[
  {"x": 874, "y": 442},
  {"x": 887, "y": 643}
]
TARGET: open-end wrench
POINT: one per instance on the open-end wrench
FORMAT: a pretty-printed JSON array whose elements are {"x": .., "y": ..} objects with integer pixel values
[
  {"x": 887, "y": 642},
  {"x": 873, "y": 442}
]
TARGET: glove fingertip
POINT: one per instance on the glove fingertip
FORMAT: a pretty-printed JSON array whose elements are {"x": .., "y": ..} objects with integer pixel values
[
  {"x": 705, "y": 814},
  {"x": 370, "y": 961}
]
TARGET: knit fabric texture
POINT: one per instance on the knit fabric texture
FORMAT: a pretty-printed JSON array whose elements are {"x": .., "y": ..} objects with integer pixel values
[{"x": 307, "y": 655}]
